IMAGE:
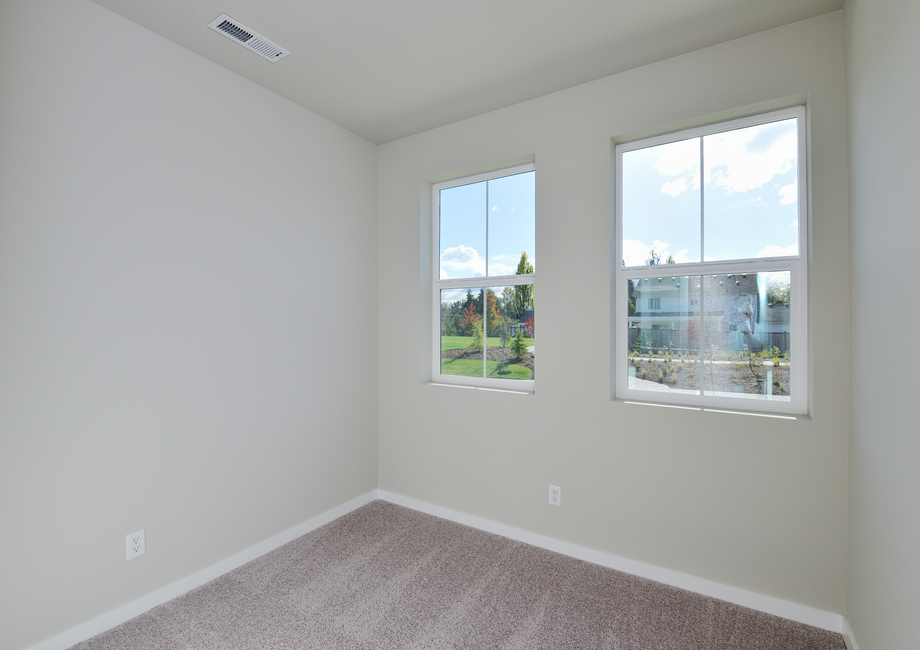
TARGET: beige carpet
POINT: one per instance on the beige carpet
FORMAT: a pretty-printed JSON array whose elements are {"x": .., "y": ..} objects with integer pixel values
[{"x": 387, "y": 577}]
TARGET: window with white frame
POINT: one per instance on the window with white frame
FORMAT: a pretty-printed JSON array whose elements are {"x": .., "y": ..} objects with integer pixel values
[
  {"x": 484, "y": 281},
  {"x": 711, "y": 229}
]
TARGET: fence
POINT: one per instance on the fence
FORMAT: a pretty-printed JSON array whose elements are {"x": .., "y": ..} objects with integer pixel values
[{"x": 677, "y": 340}]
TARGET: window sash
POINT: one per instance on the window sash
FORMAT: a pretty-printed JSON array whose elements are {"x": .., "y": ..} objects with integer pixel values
[{"x": 798, "y": 375}]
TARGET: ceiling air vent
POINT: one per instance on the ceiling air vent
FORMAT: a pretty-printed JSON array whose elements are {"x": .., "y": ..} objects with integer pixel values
[{"x": 225, "y": 25}]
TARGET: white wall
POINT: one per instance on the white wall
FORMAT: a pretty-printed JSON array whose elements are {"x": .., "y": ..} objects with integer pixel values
[
  {"x": 187, "y": 305},
  {"x": 752, "y": 502},
  {"x": 883, "y": 93}
]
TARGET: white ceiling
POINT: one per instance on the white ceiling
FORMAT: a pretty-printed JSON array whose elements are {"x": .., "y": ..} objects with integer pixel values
[{"x": 385, "y": 69}]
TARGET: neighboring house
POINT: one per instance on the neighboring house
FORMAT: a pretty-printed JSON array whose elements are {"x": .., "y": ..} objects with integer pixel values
[
  {"x": 735, "y": 306},
  {"x": 521, "y": 324}
]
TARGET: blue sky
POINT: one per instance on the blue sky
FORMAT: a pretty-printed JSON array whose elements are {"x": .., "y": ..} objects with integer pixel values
[
  {"x": 749, "y": 187},
  {"x": 503, "y": 207}
]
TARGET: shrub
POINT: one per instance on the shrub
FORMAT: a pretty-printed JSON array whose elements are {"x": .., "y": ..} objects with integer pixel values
[
  {"x": 518, "y": 345},
  {"x": 476, "y": 339}
]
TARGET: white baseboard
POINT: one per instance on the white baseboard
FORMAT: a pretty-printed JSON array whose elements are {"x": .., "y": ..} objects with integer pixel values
[
  {"x": 124, "y": 613},
  {"x": 768, "y": 604},
  {"x": 847, "y": 633}
]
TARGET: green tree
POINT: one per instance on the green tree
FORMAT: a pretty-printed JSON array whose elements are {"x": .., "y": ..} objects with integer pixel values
[
  {"x": 631, "y": 293},
  {"x": 778, "y": 292},
  {"x": 522, "y": 296},
  {"x": 506, "y": 303},
  {"x": 476, "y": 339},
  {"x": 654, "y": 259},
  {"x": 471, "y": 320},
  {"x": 493, "y": 313},
  {"x": 451, "y": 315},
  {"x": 671, "y": 260},
  {"x": 519, "y": 345},
  {"x": 503, "y": 335},
  {"x": 524, "y": 266}
]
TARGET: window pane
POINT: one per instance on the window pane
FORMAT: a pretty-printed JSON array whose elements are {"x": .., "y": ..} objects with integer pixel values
[
  {"x": 746, "y": 340},
  {"x": 723, "y": 335},
  {"x": 462, "y": 231},
  {"x": 664, "y": 334},
  {"x": 751, "y": 192},
  {"x": 461, "y": 332},
  {"x": 512, "y": 219},
  {"x": 661, "y": 203},
  {"x": 511, "y": 332}
]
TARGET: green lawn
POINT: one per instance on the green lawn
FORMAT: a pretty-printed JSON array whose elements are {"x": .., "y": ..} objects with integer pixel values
[
  {"x": 458, "y": 342},
  {"x": 473, "y": 368}
]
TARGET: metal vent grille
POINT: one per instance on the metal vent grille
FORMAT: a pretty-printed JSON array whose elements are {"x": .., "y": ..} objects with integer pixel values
[{"x": 225, "y": 25}]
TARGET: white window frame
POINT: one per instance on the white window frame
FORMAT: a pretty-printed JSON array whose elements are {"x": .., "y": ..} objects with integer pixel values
[
  {"x": 522, "y": 385},
  {"x": 796, "y": 265}
]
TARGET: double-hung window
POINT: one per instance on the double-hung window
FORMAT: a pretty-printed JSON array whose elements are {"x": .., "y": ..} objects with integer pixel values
[
  {"x": 483, "y": 324},
  {"x": 711, "y": 283}
]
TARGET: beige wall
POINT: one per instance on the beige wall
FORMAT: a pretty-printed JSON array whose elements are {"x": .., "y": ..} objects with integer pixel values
[
  {"x": 883, "y": 93},
  {"x": 752, "y": 502},
  {"x": 187, "y": 304}
]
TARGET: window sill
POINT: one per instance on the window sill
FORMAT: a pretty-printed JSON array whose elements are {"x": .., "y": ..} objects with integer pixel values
[
  {"x": 485, "y": 388},
  {"x": 712, "y": 409}
]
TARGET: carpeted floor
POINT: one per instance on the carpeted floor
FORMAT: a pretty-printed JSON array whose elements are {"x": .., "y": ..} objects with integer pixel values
[{"x": 387, "y": 577}]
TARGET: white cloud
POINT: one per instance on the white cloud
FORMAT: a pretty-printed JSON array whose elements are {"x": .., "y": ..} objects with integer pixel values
[
  {"x": 746, "y": 159},
  {"x": 739, "y": 160},
  {"x": 680, "y": 159},
  {"x": 660, "y": 246},
  {"x": 635, "y": 253},
  {"x": 497, "y": 268},
  {"x": 675, "y": 187},
  {"x": 779, "y": 251},
  {"x": 453, "y": 295},
  {"x": 506, "y": 264},
  {"x": 462, "y": 262},
  {"x": 494, "y": 208},
  {"x": 789, "y": 193},
  {"x": 681, "y": 256},
  {"x": 795, "y": 224}
]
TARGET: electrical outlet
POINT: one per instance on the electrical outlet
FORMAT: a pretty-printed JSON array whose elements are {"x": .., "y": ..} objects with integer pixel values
[
  {"x": 555, "y": 495},
  {"x": 136, "y": 544}
]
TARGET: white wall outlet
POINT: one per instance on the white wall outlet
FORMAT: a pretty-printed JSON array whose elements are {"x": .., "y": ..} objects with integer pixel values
[
  {"x": 555, "y": 495},
  {"x": 136, "y": 544}
]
